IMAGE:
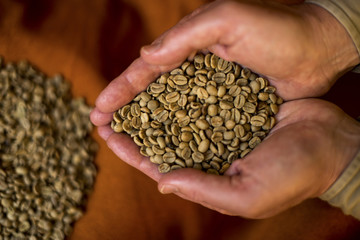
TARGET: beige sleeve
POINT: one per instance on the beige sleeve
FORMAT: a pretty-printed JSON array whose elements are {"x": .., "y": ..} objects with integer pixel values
[
  {"x": 345, "y": 192},
  {"x": 348, "y": 13}
]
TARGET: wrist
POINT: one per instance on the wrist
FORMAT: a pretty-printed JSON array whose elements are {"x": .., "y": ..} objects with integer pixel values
[
  {"x": 337, "y": 51},
  {"x": 343, "y": 193},
  {"x": 347, "y": 142}
]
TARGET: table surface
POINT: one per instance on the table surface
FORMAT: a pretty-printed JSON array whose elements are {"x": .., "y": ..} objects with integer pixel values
[{"x": 91, "y": 42}]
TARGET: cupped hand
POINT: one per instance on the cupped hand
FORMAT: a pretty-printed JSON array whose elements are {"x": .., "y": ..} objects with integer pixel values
[
  {"x": 304, "y": 154},
  {"x": 302, "y": 49}
]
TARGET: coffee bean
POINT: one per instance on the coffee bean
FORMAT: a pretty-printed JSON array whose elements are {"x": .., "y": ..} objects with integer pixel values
[
  {"x": 202, "y": 124},
  {"x": 204, "y": 145},
  {"x": 197, "y": 157}
]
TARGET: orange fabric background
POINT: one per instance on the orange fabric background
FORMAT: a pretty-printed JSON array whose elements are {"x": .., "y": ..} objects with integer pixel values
[{"x": 91, "y": 42}]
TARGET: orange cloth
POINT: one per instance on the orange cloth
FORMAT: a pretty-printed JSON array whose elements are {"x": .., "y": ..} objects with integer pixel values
[{"x": 91, "y": 42}]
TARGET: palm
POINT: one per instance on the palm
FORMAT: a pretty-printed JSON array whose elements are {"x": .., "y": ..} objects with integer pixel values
[{"x": 299, "y": 160}]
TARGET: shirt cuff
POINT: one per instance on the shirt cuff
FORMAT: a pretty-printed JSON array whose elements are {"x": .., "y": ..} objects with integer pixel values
[{"x": 345, "y": 192}]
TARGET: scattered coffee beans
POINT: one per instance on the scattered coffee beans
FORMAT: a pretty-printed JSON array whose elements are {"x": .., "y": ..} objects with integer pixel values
[
  {"x": 204, "y": 115},
  {"x": 46, "y": 154}
]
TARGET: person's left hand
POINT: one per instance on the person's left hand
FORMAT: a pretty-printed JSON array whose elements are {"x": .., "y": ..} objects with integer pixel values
[{"x": 304, "y": 154}]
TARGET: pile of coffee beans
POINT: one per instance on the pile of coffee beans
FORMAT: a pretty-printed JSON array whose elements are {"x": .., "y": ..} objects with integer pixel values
[
  {"x": 204, "y": 115},
  {"x": 46, "y": 154}
]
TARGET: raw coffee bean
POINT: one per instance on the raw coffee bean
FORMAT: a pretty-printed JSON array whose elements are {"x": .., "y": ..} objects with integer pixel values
[
  {"x": 255, "y": 87},
  {"x": 211, "y": 90},
  {"x": 179, "y": 164},
  {"x": 169, "y": 157},
  {"x": 263, "y": 96},
  {"x": 204, "y": 145},
  {"x": 200, "y": 80},
  {"x": 186, "y": 136},
  {"x": 182, "y": 100},
  {"x": 180, "y": 80},
  {"x": 164, "y": 168},
  {"x": 226, "y": 105},
  {"x": 257, "y": 121},
  {"x": 229, "y": 135},
  {"x": 202, "y": 93},
  {"x": 186, "y": 153},
  {"x": 269, "y": 89},
  {"x": 239, "y": 101},
  {"x": 234, "y": 90},
  {"x": 153, "y": 104},
  {"x": 216, "y": 121},
  {"x": 221, "y": 91},
  {"x": 157, "y": 159},
  {"x": 212, "y": 110},
  {"x": 219, "y": 77},
  {"x": 230, "y": 124},
  {"x": 181, "y": 113},
  {"x": 254, "y": 141},
  {"x": 249, "y": 107},
  {"x": 222, "y": 64},
  {"x": 202, "y": 124},
  {"x": 184, "y": 121},
  {"x": 197, "y": 157},
  {"x": 274, "y": 108},
  {"x": 172, "y": 97},
  {"x": 217, "y": 137},
  {"x": 157, "y": 88}
]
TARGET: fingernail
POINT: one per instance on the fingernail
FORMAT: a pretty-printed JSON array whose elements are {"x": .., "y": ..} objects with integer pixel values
[
  {"x": 166, "y": 189},
  {"x": 149, "y": 49}
]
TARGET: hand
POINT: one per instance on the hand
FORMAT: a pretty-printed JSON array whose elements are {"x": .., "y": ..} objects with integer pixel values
[
  {"x": 302, "y": 49},
  {"x": 305, "y": 153},
  {"x": 293, "y": 46}
]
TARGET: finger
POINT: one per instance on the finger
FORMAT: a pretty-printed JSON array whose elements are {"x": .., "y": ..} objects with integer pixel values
[
  {"x": 187, "y": 18},
  {"x": 105, "y": 132},
  {"x": 99, "y": 118},
  {"x": 205, "y": 204},
  {"x": 210, "y": 190},
  {"x": 124, "y": 147},
  {"x": 125, "y": 87},
  {"x": 196, "y": 12},
  {"x": 199, "y": 31}
]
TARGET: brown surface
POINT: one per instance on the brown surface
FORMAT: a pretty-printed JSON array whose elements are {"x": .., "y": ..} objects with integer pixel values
[{"x": 91, "y": 42}]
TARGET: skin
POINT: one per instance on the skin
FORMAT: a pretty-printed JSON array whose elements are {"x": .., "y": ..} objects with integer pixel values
[{"x": 302, "y": 49}]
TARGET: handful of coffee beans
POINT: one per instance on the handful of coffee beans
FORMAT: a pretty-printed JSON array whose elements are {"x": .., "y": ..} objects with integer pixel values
[{"x": 204, "y": 115}]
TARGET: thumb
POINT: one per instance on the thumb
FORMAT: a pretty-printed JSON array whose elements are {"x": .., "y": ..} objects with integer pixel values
[
  {"x": 230, "y": 195},
  {"x": 200, "y": 30}
]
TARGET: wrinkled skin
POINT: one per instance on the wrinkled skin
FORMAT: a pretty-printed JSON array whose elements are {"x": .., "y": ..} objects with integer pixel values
[{"x": 295, "y": 47}]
